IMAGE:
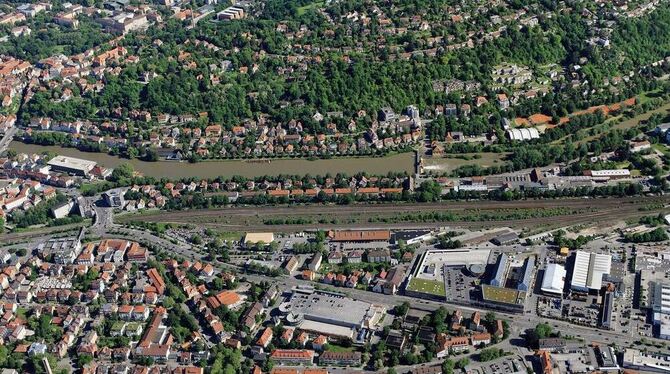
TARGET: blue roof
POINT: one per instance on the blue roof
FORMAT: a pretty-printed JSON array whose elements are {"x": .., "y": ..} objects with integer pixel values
[{"x": 499, "y": 278}]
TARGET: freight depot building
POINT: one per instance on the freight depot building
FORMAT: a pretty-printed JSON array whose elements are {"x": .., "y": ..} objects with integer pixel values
[
  {"x": 72, "y": 165},
  {"x": 330, "y": 313}
]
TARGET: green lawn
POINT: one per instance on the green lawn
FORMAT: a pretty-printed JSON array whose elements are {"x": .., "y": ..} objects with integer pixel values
[
  {"x": 646, "y": 96},
  {"x": 661, "y": 148},
  {"x": 303, "y": 9},
  {"x": 427, "y": 286},
  {"x": 339, "y": 348},
  {"x": 229, "y": 235}
]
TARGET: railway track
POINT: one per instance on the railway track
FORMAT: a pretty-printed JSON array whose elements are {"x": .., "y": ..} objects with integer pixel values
[{"x": 241, "y": 218}]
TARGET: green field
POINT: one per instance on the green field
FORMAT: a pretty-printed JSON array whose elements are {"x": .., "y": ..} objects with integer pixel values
[
  {"x": 304, "y": 9},
  {"x": 427, "y": 286},
  {"x": 450, "y": 162},
  {"x": 339, "y": 348}
]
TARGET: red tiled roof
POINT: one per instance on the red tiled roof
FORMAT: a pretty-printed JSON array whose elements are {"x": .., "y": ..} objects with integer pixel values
[{"x": 360, "y": 235}]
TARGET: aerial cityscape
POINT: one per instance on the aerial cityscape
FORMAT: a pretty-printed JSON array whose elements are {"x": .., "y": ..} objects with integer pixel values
[{"x": 334, "y": 187}]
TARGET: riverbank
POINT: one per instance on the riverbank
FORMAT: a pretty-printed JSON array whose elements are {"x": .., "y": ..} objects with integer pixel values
[{"x": 247, "y": 168}]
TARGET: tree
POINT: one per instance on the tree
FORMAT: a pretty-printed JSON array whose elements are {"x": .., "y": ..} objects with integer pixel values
[
  {"x": 151, "y": 155},
  {"x": 463, "y": 362},
  {"x": 402, "y": 309},
  {"x": 84, "y": 359},
  {"x": 123, "y": 171},
  {"x": 541, "y": 331},
  {"x": 657, "y": 235},
  {"x": 489, "y": 354},
  {"x": 196, "y": 239},
  {"x": 4, "y": 355},
  {"x": 448, "y": 366}
]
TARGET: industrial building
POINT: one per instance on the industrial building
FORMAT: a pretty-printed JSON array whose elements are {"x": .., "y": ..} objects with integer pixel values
[
  {"x": 660, "y": 305},
  {"x": 588, "y": 270},
  {"x": 553, "y": 281},
  {"x": 329, "y": 313},
  {"x": 606, "y": 317},
  {"x": 648, "y": 362},
  {"x": 360, "y": 236},
  {"x": 527, "y": 275},
  {"x": 61, "y": 250},
  {"x": 513, "y": 298},
  {"x": 609, "y": 174},
  {"x": 412, "y": 236},
  {"x": 505, "y": 238},
  {"x": 71, "y": 165},
  {"x": 499, "y": 276}
]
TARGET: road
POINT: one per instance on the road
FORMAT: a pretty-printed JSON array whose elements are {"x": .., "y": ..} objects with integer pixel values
[
  {"x": 105, "y": 227},
  {"x": 518, "y": 322},
  {"x": 7, "y": 138}
]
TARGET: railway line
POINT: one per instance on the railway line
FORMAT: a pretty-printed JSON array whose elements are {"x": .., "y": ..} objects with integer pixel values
[{"x": 604, "y": 210}]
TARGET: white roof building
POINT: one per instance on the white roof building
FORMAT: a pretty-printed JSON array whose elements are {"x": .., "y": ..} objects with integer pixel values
[
  {"x": 523, "y": 134},
  {"x": 662, "y": 297},
  {"x": 554, "y": 279},
  {"x": 649, "y": 362},
  {"x": 661, "y": 308},
  {"x": 72, "y": 165},
  {"x": 589, "y": 270},
  {"x": 471, "y": 187},
  {"x": 611, "y": 173}
]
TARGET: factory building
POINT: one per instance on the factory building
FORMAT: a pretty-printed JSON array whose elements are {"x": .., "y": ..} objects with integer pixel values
[{"x": 588, "y": 270}]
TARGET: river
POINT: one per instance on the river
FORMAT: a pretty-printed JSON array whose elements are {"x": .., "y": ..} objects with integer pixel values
[{"x": 211, "y": 169}]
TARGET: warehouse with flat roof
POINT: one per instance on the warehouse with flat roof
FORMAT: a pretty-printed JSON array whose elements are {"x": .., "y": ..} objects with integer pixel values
[
  {"x": 330, "y": 313},
  {"x": 650, "y": 362},
  {"x": 554, "y": 279},
  {"x": 72, "y": 165},
  {"x": 660, "y": 304}
]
